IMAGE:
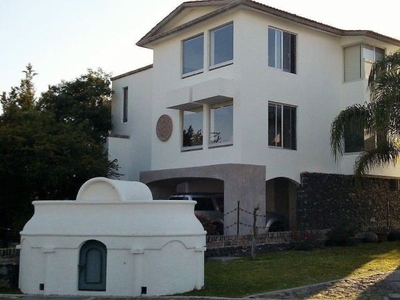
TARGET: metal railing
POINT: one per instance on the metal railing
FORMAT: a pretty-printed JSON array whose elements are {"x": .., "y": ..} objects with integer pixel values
[{"x": 12, "y": 251}]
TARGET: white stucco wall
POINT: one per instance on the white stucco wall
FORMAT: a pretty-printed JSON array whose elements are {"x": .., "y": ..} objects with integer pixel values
[
  {"x": 147, "y": 245},
  {"x": 317, "y": 89},
  {"x": 133, "y": 148}
]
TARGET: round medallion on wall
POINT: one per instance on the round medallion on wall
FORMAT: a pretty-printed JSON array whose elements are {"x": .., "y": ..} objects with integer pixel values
[{"x": 164, "y": 128}]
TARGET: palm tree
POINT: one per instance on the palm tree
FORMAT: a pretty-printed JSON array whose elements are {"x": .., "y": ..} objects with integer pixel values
[{"x": 379, "y": 117}]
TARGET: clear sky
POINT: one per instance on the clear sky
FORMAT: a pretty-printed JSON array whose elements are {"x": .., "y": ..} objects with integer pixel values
[{"x": 63, "y": 38}]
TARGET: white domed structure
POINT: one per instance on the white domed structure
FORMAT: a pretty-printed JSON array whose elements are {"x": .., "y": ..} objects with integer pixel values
[{"x": 114, "y": 240}]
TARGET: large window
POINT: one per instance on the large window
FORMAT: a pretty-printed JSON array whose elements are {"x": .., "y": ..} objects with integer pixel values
[
  {"x": 358, "y": 60},
  {"x": 192, "y": 134},
  {"x": 221, "y": 45},
  {"x": 358, "y": 139},
  {"x": 221, "y": 124},
  {"x": 193, "y": 55},
  {"x": 282, "y": 50},
  {"x": 125, "y": 105},
  {"x": 282, "y": 122}
]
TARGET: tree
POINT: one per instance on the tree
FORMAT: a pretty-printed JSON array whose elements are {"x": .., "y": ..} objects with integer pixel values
[
  {"x": 379, "y": 117},
  {"x": 45, "y": 156},
  {"x": 85, "y": 101},
  {"x": 22, "y": 97}
]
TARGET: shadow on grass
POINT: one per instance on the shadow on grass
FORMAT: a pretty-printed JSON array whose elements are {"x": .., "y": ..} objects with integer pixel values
[{"x": 290, "y": 269}]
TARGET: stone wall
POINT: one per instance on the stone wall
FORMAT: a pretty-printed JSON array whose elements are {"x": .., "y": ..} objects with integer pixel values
[
  {"x": 332, "y": 201},
  {"x": 238, "y": 245}
]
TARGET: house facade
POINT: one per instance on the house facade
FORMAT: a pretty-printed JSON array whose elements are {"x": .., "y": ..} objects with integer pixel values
[{"x": 240, "y": 99}]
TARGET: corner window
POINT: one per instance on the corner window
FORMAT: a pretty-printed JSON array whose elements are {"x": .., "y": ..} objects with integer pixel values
[
  {"x": 282, "y": 121},
  {"x": 359, "y": 139},
  {"x": 221, "y": 45},
  {"x": 221, "y": 124},
  {"x": 282, "y": 50},
  {"x": 192, "y": 133},
  {"x": 358, "y": 60},
  {"x": 193, "y": 55},
  {"x": 125, "y": 105}
]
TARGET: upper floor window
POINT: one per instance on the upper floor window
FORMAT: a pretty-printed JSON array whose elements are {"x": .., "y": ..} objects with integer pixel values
[
  {"x": 359, "y": 139},
  {"x": 282, "y": 50},
  {"x": 192, "y": 133},
  {"x": 282, "y": 121},
  {"x": 221, "y": 124},
  {"x": 358, "y": 60},
  {"x": 193, "y": 55},
  {"x": 221, "y": 45},
  {"x": 125, "y": 105}
]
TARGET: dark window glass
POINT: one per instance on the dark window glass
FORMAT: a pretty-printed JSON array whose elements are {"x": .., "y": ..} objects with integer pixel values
[
  {"x": 203, "y": 203},
  {"x": 354, "y": 140},
  {"x": 125, "y": 106},
  {"x": 282, "y": 126}
]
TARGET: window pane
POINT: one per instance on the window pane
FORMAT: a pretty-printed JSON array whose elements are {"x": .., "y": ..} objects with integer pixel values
[
  {"x": 274, "y": 48},
  {"x": 221, "y": 123},
  {"x": 282, "y": 50},
  {"x": 125, "y": 106},
  {"x": 289, "y": 127},
  {"x": 203, "y": 204},
  {"x": 192, "y": 128},
  {"x": 287, "y": 52},
  {"x": 274, "y": 125},
  {"x": 354, "y": 140},
  {"x": 352, "y": 63},
  {"x": 222, "y": 45},
  {"x": 193, "y": 53},
  {"x": 379, "y": 53}
]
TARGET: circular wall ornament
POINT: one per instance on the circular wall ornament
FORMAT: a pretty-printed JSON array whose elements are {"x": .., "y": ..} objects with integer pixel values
[{"x": 164, "y": 128}]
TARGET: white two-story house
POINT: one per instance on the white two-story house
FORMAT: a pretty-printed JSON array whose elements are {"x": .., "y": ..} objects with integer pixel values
[{"x": 240, "y": 99}]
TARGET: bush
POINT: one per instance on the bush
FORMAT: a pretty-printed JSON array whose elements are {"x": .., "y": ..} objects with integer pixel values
[
  {"x": 340, "y": 237},
  {"x": 394, "y": 235},
  {"x": 207, "y": 223},
  {"x": 370, "y": 237},
  {"x": 305, "y": 241}
]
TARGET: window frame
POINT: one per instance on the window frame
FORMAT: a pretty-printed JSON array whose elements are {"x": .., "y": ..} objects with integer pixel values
[
  {"x": 278, "y": 59},
  {"x": 212, "y": 50},
  {"x": 279, "y": 127},
  {"x": 183, "y": 62}
]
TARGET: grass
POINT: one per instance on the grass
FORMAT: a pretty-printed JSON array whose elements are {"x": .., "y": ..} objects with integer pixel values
[{"x": 287, "y": 269}]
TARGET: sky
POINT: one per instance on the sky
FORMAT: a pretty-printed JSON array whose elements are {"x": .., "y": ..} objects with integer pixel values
[{"x": 64, "y": 38}]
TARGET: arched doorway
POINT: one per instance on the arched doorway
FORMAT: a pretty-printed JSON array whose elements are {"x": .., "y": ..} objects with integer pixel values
[
  {"x": 281, "y": 198},
  {"x": 92, "y": 266}
]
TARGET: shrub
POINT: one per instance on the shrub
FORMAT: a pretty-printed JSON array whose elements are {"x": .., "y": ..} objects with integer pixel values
[
  {"x": 305, "y": 241},
  {"x": 207, "y": 223},
  {"x": 371, "y": 237},
  {"x": 340, "y": 237},
  {"x": 394, "y": 235}
]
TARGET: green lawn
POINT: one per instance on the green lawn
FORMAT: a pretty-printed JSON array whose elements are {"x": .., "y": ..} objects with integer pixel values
[{"x": 288, "y": 269}]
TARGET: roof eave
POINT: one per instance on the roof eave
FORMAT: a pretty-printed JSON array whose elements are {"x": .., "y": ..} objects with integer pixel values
[{"x": 153, "y": 36}]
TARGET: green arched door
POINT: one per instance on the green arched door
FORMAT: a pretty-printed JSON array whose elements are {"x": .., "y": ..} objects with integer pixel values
[{"x": 92, "y": 266}]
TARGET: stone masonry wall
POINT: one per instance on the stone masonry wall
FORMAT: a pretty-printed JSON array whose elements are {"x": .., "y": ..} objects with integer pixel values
[{"x": 332, "y": 201}]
